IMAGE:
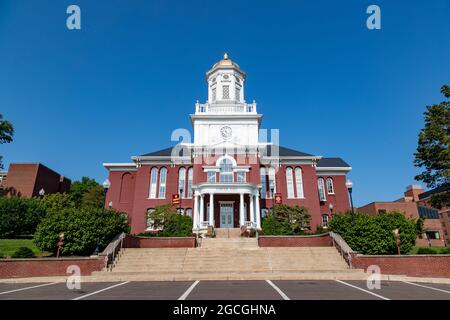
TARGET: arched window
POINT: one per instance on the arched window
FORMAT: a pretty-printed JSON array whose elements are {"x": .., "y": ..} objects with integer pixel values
[
  {"x": 226, "y": 170},
  {"x": 153, "y": 181},
  {"x": 263, "y": 176},
  {"x": 182, "y": 182},
  {"x": 125, "y": 188},
  {"x": 330, "y": 186},
  {"x": 321, "y": 186},
  {"x": 162, "y": 182},
  {"x": 189, "y": 212},
  {"x": 299, "y": 182},
  {"x": 272, "y": 181},
  {"x": 189, "y": 184},
  {"x": 289, "y": 183}
]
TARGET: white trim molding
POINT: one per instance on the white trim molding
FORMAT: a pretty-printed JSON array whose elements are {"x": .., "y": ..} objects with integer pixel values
[{"x": 120, "y": 166}]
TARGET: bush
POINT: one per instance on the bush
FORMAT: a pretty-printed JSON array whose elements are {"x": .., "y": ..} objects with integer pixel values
[
  {"x": 426, "y": 251},
  {"x": 2, "y": 255},
  {"x": 373, "y": 234},
  {"x": 81, "y": 228},
  {"x": 19, "y": 216},
  {"x": 171, "y": 222},
  {"x": 445, "y": 251},
  {"x": 23, "y": 252},
  {"x": 286, "y": 220}
]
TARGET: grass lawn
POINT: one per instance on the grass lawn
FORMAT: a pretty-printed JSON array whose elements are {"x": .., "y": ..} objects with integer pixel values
[
  {"x": 9, "y": 246},
  {"x": 438, "y": 249}
]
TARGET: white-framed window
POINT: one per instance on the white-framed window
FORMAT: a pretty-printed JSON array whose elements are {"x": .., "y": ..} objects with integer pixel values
[
  {"x": 325, "y": 219},
  {"x": 182, "y": 182},
  {"x": 241, "y": 176},
  {"x": 180, "y": 211},
  {"x": 264, "y": 212},
  {"x": 289, "y": 183},
  {"x": 272, "y": 180},
  {"x": 226, "y": 92},
  {"x": 211, "y": 176},
  {"x": 226, "y": 171},
  {"x": 330, "y": 186},
  {"x": 149, "y": 220},
  {"x": 263, "y": 177},
  {"x": 299, "y": 182},
  {"x": 189, "y": 212},
  {"x": 162, "y": 182},
  {"x": 153, "y": 182},
  {"x": 321, "y": 186},
  {"x": 189, "y": 184}
]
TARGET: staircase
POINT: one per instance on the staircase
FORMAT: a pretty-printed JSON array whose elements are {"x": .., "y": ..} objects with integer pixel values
[{"x": 229, "y": 258}]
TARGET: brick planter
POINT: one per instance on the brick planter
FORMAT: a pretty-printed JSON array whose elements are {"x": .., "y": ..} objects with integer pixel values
[
  {"x": 322, "y": 240},
  {"x": 45, "y": 267},
  {"x": 170, "y": 242},
  {"x": 410, "y": 265}
]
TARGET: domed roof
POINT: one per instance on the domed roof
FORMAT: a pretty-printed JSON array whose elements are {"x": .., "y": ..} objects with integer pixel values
[{"x": 226, "y": 62}]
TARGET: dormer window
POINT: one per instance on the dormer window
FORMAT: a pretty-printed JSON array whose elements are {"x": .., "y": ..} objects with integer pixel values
[{"x": 226, "y": 92}]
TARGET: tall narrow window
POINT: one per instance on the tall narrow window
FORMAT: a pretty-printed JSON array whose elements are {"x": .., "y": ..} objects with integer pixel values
[
  {"x": 182, "y": 182},
  {"x": 189, "y": 184},
  {"x": 321, "y": 186},
  {"x": 226, "y": 171},
  {"x": 153, "y": 181},
  {"x": 272, "y": 183},
  {"x": 238, "y": 94},
  {"x": 213, "y": 94},
  {"x": 299, "y": 182},
  {"x": 162, "y": 182},
  {"x": 149, "y": 219},
  {"x": 263, "y": 176},
  {"x": 289, "y": 183},
  {"x": 330, "y": 186},
  {"x": 325, "y": 220},
  {"x": 241, "y": 176},
  {"x": 226, "y": 92},
  {"x": 211, "y": 176}
]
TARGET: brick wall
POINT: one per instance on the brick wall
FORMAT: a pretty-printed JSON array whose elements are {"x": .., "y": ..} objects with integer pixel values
[
  {"x": 295, "y": 241},
  {"x": 23, "y": 268},
  {"x": 413, "y": 265},
  {"x": 178, "y": 242}
]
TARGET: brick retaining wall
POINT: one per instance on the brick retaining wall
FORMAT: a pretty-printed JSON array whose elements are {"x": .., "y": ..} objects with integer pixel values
[
  {"x": 175, "y": 242},
  {"x": 43, "y": 267},
  {"x": 323, "y": 240},
  {"x": 410, "y": 265}
]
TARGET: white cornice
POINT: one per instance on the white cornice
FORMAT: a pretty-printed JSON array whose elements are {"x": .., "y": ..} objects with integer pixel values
[{"x": 120, "y": 166}]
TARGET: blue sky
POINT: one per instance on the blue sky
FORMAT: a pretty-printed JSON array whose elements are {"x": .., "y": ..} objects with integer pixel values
[{"x": 119, "y": 86}]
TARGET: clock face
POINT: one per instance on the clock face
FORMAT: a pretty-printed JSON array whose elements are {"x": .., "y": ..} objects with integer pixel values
[{"x": 226, "y": 132}]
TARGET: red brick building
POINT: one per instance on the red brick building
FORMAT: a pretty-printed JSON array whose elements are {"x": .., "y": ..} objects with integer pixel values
[
  {"x": 227, "y": 177},
  {"x": 412, "y": 207},
  {"x": 28, "y": 179}
]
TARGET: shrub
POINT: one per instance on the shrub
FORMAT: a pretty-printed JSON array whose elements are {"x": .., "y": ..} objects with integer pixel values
[
  {"x": 171, "y": 222},
  {"x": 445, "y": 250},
  {"x": 2, "y": 255},
  {"x": 373, "y": 234},
  {"x": 426, "y": 251},
  {"x": 19, "y": 216},
  {"x": 23, "y": 252},
  {"x": 81, "y": 228},
  {"x": 286, "y": 220}
]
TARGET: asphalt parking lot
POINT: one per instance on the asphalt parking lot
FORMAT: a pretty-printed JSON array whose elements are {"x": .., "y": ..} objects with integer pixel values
[{"x": 227, "y": 290}]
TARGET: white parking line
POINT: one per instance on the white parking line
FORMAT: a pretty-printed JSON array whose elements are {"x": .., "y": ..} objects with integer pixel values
[
  {"x": 282, "y": 294},
  {"x": 188, "y": 291},
  {"x": 366, "y": 291},
  {"x": 95, "y": 292},
  {"x": 421, "y": 285},
  {"x": 27, "y": 288}
]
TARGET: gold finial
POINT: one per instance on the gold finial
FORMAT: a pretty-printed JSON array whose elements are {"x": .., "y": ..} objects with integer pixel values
[{"x": 225, "y": 56}]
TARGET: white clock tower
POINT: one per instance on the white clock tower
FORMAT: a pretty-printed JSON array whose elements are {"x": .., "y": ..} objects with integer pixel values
[{"x": 225, "y": 120}]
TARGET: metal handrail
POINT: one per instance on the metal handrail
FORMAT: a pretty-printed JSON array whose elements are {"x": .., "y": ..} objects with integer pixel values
[{"x": 113, "y": 250}]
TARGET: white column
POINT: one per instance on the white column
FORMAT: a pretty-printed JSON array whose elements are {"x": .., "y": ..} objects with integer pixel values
[
  {"x": 195, "y": 213},
  {"x": 202, "y": 205},
  {"x": 211, "y": 209},
  {"x": 252, "y": 211},
  {"x": 241, "y": 210},
  {"x": 258, "y": 212}
]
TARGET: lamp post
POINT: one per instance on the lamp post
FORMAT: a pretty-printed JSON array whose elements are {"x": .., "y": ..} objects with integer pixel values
[
  {"x": 330, "y": 206},
  {"x": 106, "y": 185},
  {"x": 271, "y": 187},
  {"x": 42, "y": 192},
  {"x": 349, "y": 186},
  {"x": 181, "y": 208}
]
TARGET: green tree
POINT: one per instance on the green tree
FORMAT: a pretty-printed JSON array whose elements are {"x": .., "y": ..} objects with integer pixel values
[
  {"x": 286, "y": 220},
  {"x": 93, "y": 198},
  {"x": 432, "y": 151},
  {"x": 171, "y": 223},
  {"x": 79, "y": 188},
  {"x": 6, "y": 134}
]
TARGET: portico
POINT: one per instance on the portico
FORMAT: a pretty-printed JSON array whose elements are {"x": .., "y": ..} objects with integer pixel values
[{"x": 215, "y": 204}]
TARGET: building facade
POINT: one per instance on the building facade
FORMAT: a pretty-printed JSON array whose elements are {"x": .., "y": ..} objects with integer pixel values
[{"x": 227, "y": 177}]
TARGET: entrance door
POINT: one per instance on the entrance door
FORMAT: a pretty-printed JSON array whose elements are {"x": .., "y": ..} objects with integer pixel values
[{"x": 226, "y": 215}]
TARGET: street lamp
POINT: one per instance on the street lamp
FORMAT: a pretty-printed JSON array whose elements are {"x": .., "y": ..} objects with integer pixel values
[
  {"x": 272, "y": 188},
  {"x": 330, "y": 206},
  {"x": 349, "y": 186},
  {"x": 106, "y": 185},
  {"x": 42, "y": 192}
]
